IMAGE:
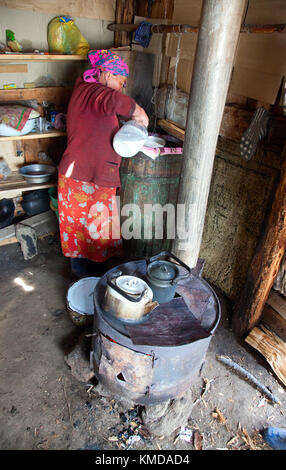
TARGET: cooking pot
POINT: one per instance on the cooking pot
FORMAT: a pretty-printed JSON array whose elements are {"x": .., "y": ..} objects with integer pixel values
[
  {"x": 162, "y": 276},
  {"x": 128, "y": 298},
  {"x": 7, "y": 209}
]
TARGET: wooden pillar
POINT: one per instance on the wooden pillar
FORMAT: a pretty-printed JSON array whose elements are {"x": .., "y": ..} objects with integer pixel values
[
  {"x": 265, "y": 264},
  {"x": 217, "y": 40}
]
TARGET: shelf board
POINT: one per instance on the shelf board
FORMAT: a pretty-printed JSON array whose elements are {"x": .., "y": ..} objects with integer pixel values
[
  {"x": 40, "y": 94},
  {"x": 34, "y": 135},
  {"x": 16, "y": 182},
  {"x": 19, "y": 56}
]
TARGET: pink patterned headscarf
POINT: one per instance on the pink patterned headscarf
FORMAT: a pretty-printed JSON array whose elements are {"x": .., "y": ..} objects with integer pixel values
[{"x": 104, "y": 60}]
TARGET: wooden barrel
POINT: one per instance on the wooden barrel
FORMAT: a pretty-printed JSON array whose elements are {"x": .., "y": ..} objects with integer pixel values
[{"x": 147, "y": 181}]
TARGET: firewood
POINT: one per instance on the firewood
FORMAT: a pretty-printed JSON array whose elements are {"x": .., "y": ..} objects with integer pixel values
[{"x": 271, "y": 347}]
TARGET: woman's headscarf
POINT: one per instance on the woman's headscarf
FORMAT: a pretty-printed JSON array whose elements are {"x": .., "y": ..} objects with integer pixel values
[{"x": 104, "y": 60}]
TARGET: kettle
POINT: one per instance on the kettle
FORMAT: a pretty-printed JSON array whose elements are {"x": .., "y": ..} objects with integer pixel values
[
  {"x": 162, "y": 276},
  {"x": 129, "y": 298}
]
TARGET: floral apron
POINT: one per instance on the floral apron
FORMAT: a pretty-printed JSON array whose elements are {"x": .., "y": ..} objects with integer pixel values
[{"x": 89, "y": 220}]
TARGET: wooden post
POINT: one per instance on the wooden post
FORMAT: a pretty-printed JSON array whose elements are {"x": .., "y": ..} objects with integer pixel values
[
  {"x": 218, "y": 35},
  {"x": 265, "y": 264}
]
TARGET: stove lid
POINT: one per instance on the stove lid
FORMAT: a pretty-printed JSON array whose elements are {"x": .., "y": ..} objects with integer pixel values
[{"x": 131, "y": 284}]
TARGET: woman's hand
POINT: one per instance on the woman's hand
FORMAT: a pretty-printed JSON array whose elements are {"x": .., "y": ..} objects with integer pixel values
[{"x": 140, "y": 116}]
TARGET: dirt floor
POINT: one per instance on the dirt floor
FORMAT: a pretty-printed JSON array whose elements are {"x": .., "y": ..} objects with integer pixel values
[{"x": 45, "y": 407}]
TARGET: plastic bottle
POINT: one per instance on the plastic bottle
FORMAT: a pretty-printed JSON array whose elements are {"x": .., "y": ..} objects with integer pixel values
[{"x": 130, "y": 139}]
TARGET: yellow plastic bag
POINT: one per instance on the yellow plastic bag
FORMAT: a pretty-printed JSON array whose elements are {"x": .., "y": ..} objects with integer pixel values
[{"x": 64, "y": 37}]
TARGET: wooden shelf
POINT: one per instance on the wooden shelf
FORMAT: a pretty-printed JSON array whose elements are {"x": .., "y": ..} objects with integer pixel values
[
  {"x": 18, "y": 56},
  {"x": 16, "y": 182},
  {"x": 53, "y": 94},
  {"x": 34, "y": 135}
]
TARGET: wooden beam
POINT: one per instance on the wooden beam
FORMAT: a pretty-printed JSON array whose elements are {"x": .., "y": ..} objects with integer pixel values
[
  {"x": 265, "y": 264},
  {"x": 210, "y": 81},
  {"x": 263, "y": 28},
  {"x": 187, "y": 28},
  {"x": 156, "y": 28}
]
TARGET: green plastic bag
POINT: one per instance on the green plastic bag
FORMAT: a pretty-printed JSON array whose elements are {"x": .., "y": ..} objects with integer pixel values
[{"x": 64, "y": 37}]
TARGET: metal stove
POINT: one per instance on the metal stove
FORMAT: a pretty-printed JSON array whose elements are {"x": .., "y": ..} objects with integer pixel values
[{"x": 157, "y": 359}]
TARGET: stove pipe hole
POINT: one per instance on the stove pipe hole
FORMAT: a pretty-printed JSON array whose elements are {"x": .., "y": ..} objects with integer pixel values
[{"x": 121, "y": 377}]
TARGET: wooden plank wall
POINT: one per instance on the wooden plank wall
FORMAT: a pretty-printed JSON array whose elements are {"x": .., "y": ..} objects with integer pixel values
[{"x": 96, "y": 9}]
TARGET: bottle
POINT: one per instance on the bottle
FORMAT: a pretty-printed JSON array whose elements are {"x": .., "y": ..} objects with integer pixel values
[{"x": 130, "y": 139}]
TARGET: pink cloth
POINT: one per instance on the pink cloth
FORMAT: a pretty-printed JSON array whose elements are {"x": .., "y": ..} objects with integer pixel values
[{"x": 104, "y": 59}]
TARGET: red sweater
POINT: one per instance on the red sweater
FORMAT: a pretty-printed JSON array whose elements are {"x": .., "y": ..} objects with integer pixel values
[{"x": 91, "y": 125}]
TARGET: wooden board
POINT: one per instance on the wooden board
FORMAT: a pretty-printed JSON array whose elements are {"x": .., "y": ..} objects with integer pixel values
[
  {"x": 18, "y": 68},
  {"x": 274, "y": 322},
  {"x": 96, "y": 9},
  {"x": 278, "y": 302},
  {"x": 50, "y": 94},
  {"x": 43, "y": 56},
  {"x": 34, "y": 135},
  {"x": 17, "y": 182}
]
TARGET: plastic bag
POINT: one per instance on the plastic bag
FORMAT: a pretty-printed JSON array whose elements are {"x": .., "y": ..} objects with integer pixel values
[{"x": 64, "y": 37}]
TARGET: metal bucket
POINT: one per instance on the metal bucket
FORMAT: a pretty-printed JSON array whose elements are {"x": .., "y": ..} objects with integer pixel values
[{"x": 79, "y": 301}]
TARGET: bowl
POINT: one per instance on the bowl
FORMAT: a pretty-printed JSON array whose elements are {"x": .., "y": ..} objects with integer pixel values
[{"x": 37, "y": 173}]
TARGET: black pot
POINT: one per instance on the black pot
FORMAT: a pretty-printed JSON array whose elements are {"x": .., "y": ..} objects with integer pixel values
[
  {"x": 7, "y": 208},
  {"x": 35, "y": 202},
  {"x": 38, "y": 194}
]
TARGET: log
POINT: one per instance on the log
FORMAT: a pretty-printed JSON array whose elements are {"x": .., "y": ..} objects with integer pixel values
[
  {"x": 187, "y": 28},
  {"x": 265, "y": 264},
  {"x": 271, "y": 347}
]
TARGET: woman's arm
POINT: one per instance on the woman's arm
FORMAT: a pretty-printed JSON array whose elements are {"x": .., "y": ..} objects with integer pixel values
[{"x": 140, "y": 116}]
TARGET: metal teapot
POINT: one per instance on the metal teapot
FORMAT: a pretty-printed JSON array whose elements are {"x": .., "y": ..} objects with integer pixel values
[
  {"x": 162, "y": 276},
  {"x": 128, "y": 298}
]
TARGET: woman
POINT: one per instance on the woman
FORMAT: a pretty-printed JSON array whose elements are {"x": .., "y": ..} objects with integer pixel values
[{"x": 89, "y": 169}]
